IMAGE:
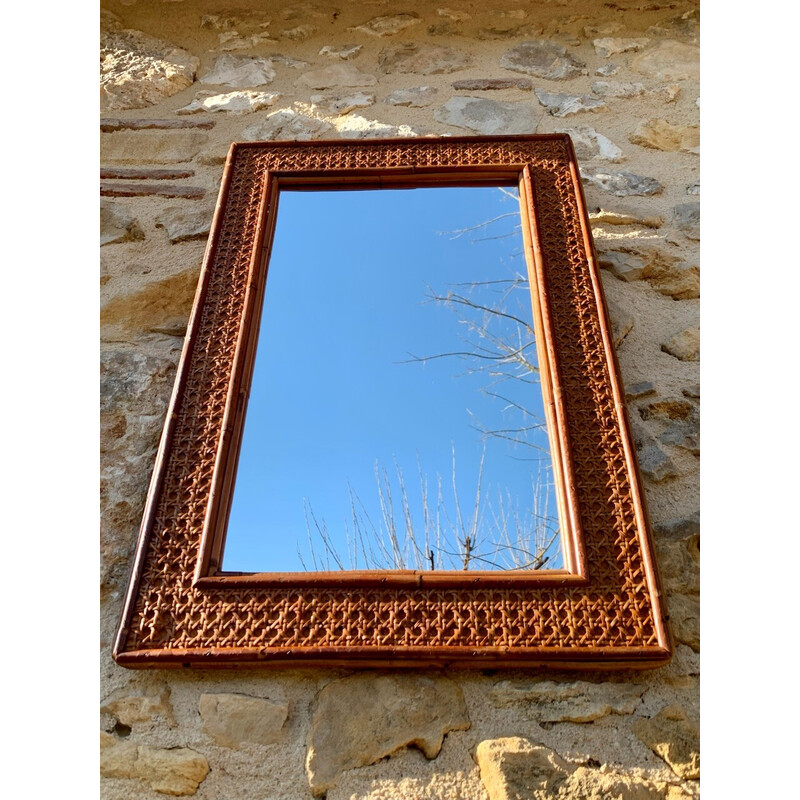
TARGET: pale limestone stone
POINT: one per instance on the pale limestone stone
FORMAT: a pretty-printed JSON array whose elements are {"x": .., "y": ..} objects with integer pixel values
[
  {"x": 156, "y": 307},
  {"x": 492, "y": 84},
  {"x": 359, "y": 720},
  {"x": 679, "y": 564},
  {"x": 666, "y": 273},
  {"x": 693, "y": 189},
  {"x": 542, "y": 59},
  {"x": 621, "y": 322},
  {"x": 287, "y": 124},
  {"x": 591, "y": 145},
  {"x": 579, "y": 701},
  {"x": 516, "y": 768},
  {"x": 388, "y": 25},
  {"x": 607, "y": 70},
  {"x": 342, "y": 104},
  {"x": 617, "y": 89},
  {"x": 684, "y": 434},
  {"x": 669, "y": 61},
  {"x": 452, "y": 15},
  {"x": 673, "y": 737},
  {"x": 415, "y": 97},
  {"x": 608, "y": 46},
  {"x": 606, "y": 216},
  {"x": 621, "y": 183},
  {"x": 686, "y": 217},
  {"x": 685, "y": 346},
  {"x": 184, "y": 224},
  {"x": 231, "y": 41},
  {"x": 562, "y": 105},
  {"x": 117, "y": 224},
  {"x": 659, "y": 134},
  {"x": 156, "y": 147},
  {"x": 174, "y": 771},
  {"x": 233, "y": 719},
  {"x": 487, "y": 116},
  {"x": 423, "y": 59},
  {"x": 241, "y": 102},
  {"x": 240, "y": 72},
  {"x": 354, "y": 126},
  {"x": 137, "y": 70},
  {"x": 336, "y": 75},
  {"x": 287, "y": 61},
  {"x": 299, "y": 33},
  {"x": 342, "y": 51},
  {"x": 140, "y": 708}
]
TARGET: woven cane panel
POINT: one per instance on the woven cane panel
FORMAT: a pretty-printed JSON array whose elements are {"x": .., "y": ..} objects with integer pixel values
[{"x": 615, "y": 610}]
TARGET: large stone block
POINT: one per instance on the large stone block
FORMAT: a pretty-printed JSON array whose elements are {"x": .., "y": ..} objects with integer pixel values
[
  {"x": 672, "y": 736},
  {"x": 233, "y": 719}
]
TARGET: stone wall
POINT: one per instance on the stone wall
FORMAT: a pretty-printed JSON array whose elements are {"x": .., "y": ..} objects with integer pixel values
[{"x": 180, "y": 81}]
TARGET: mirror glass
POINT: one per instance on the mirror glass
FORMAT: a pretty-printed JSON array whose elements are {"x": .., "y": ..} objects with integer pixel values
[{"x": 395, "y": 418}]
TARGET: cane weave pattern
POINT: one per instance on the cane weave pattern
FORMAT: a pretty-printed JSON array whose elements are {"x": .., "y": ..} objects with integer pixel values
[{"x": 615, "y": 609}]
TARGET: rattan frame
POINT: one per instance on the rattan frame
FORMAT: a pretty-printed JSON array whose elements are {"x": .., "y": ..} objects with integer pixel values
[{"x": 603, "y": 609}]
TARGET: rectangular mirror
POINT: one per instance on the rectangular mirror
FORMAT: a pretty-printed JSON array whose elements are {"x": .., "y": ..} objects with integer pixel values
[
  {"x": 399, "y": 401},
  {"x": 395, "y": 416}
]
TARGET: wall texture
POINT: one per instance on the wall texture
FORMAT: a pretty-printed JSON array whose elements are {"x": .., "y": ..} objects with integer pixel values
[{"x": 180, "y": 81}]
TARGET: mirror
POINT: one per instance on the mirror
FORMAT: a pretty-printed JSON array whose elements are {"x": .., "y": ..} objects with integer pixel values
[{"x": 395, "y": 418}]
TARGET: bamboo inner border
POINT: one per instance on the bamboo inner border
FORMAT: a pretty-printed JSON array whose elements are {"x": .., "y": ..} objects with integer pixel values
[{"x": 179, "y": 610}]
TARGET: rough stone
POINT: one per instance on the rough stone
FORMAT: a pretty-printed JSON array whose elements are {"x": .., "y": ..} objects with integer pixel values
[
  {"x": 591, "y": 145},
  {"x": 233, "y": 719},
  {"x": 668, "y": 408},
  {"x": 140, "y": 708},
  {"x": 342, "y": 51},
  {"x": 617, "y": 89},
  {"x": 685, "y": 434},
  {"x": 562, "y": 105},
  {"x": 656, "y": 464},
  {"x": 659, "y": 134},
  {"x": 488, "y": 84},
  {"x": 137, "y": 70},
  {"x": 580, "y": 701},
  {"x": 609, "y": 46},
  {"x": 679, "y": 527},
  {"x": 174, "y": 771},
  {"x": 685, "y": 346},
  {"x": 607, "y": 70},
  {"x": 516, "y": 768},
  {"x": 621, "y": 183},
  {"x": 423, "y": 59},
  {"x": 454, "y": 15},
  {"x": 415, "y": 97},
  {"x": 679, "y": 564},
  {"x": 692, "y": 390},
  {"x": 233, "y": 40},
  {"x": 669, "y": 61},
  {"x": 604, "y": 216},
  {"x": 342, "y": 104},
  {"x": 158, "y": 307},
  {"x": 241, "y": 102},
  {"x": 684, "y": 619},
  {"x": 359, "y": 720},
  {"x": 388, "y": 25},
  {"x": 299, "y": 33},
  {"x": 664, "y": 272},
  {"x": 640, "y": 389},
  {"x": 158, "y": 147},
  {"x": 286, "y": 124},
  {"x": 693, "y": 189},
  {"x": 621, "y": 322},
  {"x": 239, "y": 72},
  {"x": 354, "y": 126},
  {"x": 287, "y": 61},
  {"x": 507, "y": 30},
  {"x": 336, "y": 75},
  {"x": 487, "y": 116},
  {"x": 687, "y": 219},
  {"x": 674, "y": 738},
  {"x": 542, "y": 59},
  {"x": 117, "y": 224},
  {"x": 185, "y": 224}
]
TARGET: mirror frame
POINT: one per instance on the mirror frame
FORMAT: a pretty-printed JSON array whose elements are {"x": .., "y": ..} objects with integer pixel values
[{"x": 604, "y": 608}]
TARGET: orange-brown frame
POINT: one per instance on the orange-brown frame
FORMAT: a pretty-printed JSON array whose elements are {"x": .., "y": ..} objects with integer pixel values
[{"x": 603, "y": 609}]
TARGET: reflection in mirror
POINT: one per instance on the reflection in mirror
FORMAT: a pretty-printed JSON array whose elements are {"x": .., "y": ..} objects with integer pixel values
[{"x": 395, "y": 418}]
